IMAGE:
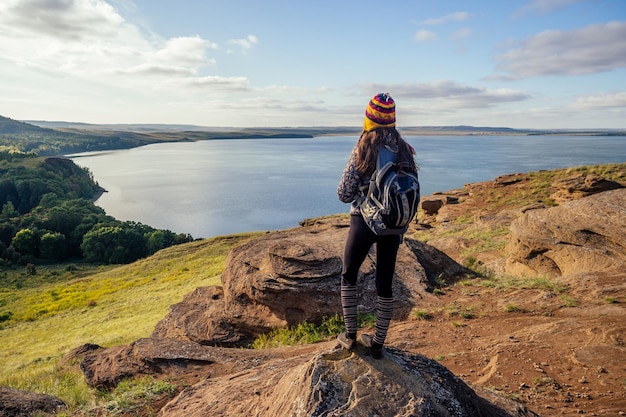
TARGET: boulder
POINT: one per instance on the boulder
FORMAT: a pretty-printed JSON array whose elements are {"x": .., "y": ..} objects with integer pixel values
[
  {"x": 19, "y": 403},
  {"x": 431, "y": 204},
  {"x": 584, "y": 235},
  {"x": 309, "y": 380},
  {"x": 340, "y": 383},
  {"x": 288, "y": 277}
]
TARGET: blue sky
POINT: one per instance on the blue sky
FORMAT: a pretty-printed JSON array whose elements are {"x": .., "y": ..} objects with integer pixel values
[{"x": 521, "y": 64}]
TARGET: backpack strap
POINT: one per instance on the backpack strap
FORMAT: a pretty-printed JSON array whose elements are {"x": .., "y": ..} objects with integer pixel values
[{"x": 386, "y": 154}]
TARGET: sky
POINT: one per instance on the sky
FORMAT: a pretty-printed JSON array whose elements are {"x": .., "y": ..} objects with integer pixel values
[{"x": 545, "y": 64}]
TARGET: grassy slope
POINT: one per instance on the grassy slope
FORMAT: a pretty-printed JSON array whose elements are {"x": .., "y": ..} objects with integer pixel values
[{"x": 114, "y": 305}]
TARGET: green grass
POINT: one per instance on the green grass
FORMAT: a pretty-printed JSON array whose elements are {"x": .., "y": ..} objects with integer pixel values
[
  {"x": 67, "y": 384},
  {"x": 301, "y": 334},
  {"x": 507, "y": 282},
  {"x": 305, "y": 333},
  {"x": 422, "y": 314},
  {"x": 54, "y": 311},
  {"x": 512, "y": 308},
  {"x": 568, "y": 301},
  {"x": 132, "y": 395},
  {"x": 485, "y": 239}
]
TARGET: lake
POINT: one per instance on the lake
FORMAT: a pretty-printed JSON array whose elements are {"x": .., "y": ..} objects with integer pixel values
[{"x": 219, "y": 187}]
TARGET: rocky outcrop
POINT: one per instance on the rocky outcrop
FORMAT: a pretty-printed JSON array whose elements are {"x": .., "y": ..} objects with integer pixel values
[
  {"x": 339, "y": 383},
  {"x": 292, "y": 276},
  {"x": 18, "y": 403},
  {"x": 310, "y": 380},
  {"x": 278, "y": 280},
  {"x": 581, "y": 185},
  {"x": 178, "y": 359},
  {"x": 584, "y": 235}
]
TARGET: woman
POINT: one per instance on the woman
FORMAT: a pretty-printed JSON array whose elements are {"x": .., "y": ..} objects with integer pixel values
[{"x": 379, "y": 130}]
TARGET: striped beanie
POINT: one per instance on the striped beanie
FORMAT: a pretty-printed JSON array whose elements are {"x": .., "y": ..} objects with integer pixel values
[{"x": 380, "y": 112}]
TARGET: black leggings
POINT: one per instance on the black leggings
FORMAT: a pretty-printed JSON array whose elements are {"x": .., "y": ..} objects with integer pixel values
[{"x": 360, "y": 240}]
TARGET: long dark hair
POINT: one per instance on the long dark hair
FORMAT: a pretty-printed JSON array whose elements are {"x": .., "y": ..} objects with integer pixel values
[{"x": 371, "y": 141}]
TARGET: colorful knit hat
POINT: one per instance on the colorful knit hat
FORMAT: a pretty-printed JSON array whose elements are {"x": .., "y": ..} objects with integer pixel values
[{"x": 380, "y": 112}]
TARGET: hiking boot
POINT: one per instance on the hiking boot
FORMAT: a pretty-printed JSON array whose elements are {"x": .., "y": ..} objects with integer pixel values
[
  {"x": 347, "y": 341},
  {"x": 376, "y": 349}
]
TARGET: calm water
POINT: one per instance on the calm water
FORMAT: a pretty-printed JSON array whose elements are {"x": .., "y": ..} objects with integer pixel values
[{"x": 219, "y": 187}]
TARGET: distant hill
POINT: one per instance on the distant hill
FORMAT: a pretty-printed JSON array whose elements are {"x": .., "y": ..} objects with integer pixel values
[
  {"x": 464, "y": 128},
  {"x": 62, "y": 138},
  {"x": 152, "y": 127},
  {"x": 8, "y": 125},
  {"x": 42, "y": 141},
  {"x": 178, "y": 131},
  {"x": 230, "y": 132}
]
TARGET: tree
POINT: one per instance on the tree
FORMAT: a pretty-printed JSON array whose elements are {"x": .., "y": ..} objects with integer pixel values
[
  {"x": 8, "y": 211},
  {"x": 113, "y": 244},
  {"x": 26, "y": 242},
  {"x": 7, "y": 232},
  {"x": 8, "y": 192},
  {"x": 53, "y": 245},
  {"x": 49, "y": 200},
  {"x": 159, "y": 239}
]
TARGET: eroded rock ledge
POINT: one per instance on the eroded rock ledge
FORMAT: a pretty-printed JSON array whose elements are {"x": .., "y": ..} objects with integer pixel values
[
  {"x": 288, "y": 277},
  {"x": 311, "y": 380},
  {"x": 581, "y": 235}
]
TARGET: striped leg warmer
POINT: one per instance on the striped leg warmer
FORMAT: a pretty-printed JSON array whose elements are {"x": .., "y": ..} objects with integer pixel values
[
  {"x": 349, "y": 304},
  {"x": 384, "y": 310}
]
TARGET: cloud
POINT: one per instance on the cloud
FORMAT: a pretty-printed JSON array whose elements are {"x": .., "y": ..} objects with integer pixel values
[
  {"x": 424, "y": 35},
  {"x": 91, "y": 40},
  {"x": 592, "y": 49},
  {"x": 601, "y": 101},
  {"x": 183, "y": 50},
  {"x": 62, "y": 19},
  {"x": 450, "y": 93},
  {"x": 452, "y": 17},
  {"x": 545, "y": 6},
  {"x": 213, "y": 82},
  {"x": 246, "y": 43}
]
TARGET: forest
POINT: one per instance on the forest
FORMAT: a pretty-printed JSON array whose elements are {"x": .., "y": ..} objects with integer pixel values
[{"x": 47, "y": 214}]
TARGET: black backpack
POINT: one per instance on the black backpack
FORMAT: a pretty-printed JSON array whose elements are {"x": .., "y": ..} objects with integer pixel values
[{"x": 393, "y": 195}]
